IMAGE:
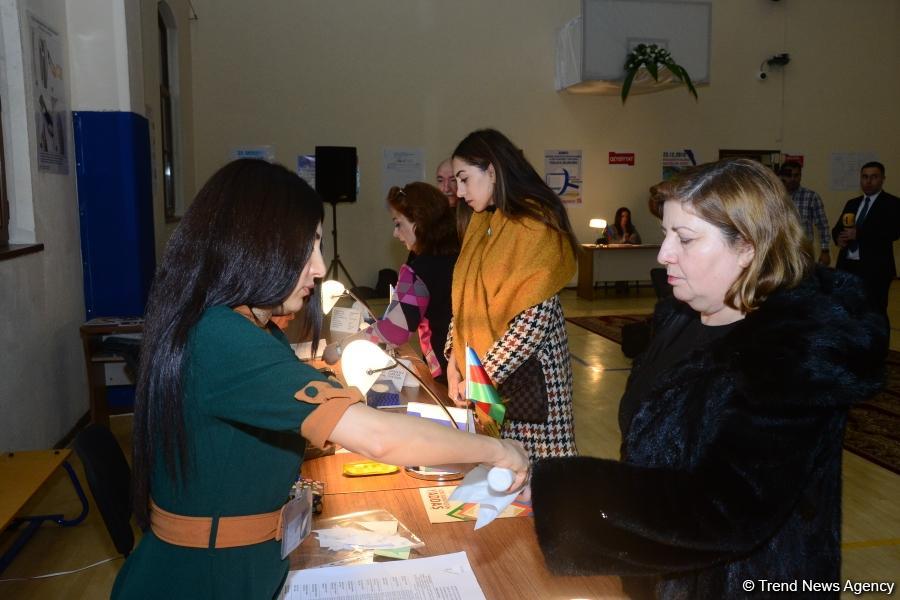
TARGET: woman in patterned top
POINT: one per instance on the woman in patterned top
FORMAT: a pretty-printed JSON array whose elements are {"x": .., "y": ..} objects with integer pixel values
[
  {"x": 223, "y": 405},
  {"x": 517, "y": 253},
  {"x": 424, "y": 222}
]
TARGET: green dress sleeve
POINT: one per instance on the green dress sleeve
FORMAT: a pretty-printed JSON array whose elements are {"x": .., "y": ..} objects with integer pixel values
[{"x": 246, "y": 374}]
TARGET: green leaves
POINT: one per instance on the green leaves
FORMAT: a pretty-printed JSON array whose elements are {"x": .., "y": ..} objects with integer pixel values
[
  {"x": 626, "y": 85},
  {"x": 650, "y": 57}
]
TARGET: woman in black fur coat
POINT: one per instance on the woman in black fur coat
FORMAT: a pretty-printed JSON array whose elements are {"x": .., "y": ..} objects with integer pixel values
[{"x": 733, "y": 418}]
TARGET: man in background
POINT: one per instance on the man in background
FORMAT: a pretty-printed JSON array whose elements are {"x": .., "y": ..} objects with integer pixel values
[
  {"x": 446, "y": 181},
  {"x": 809, "y": 205},
  {"x": 866, "y": 231}
]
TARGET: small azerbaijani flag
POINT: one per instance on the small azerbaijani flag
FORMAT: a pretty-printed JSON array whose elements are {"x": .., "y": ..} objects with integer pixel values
[{"x": 479, "y": 389}]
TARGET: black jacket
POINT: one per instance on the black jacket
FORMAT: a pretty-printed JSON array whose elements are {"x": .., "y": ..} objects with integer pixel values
[
  {"x": 732, "y": 470},
  {"x": 876, "y": 236}
]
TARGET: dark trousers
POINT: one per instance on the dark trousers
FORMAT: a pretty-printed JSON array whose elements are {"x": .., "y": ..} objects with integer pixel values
[{"x": 876, "y": 286}]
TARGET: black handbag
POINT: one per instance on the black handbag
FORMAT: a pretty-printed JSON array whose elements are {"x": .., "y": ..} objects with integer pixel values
[{"x": 525, "y": 392}]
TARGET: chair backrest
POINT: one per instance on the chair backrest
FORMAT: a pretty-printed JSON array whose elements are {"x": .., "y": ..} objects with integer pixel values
[
  {"x": 109, "y": 477},
  {"x": 660, "y": 283},
  {"x": 386, "y": 278}
]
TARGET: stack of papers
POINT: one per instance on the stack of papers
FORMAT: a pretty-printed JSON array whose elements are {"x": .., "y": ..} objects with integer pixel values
[{"x": 445, "y": 576}]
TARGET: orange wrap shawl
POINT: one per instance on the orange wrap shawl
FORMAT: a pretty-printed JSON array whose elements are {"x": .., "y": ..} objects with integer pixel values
[{"x": 520, "y": 264}]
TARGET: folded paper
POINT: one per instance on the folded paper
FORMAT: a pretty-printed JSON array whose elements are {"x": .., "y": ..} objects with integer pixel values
[{"x": 476, "y": 489}]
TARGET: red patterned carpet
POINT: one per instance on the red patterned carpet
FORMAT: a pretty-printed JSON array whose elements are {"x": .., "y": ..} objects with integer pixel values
[{"x": 873, "y": 426}]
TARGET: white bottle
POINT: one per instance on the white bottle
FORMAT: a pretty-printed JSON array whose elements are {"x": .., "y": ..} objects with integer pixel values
[{"x": 499, "y": 479}]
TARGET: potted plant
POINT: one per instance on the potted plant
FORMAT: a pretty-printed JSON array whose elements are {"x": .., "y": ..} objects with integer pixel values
[{"x": 651, "y": 57}]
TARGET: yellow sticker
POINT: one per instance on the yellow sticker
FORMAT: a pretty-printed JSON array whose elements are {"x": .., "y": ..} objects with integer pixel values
[
  {"x": 368, "y": 467},
  {"x": 395, "y": 553}
]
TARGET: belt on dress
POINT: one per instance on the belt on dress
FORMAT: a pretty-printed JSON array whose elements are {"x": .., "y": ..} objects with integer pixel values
[{"x": 214, "y": 532}]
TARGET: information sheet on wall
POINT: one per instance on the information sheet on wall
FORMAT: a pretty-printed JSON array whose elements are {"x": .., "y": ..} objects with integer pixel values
[
  {"x": 845, "y": 167},
  {"x": 258, "y": 152},
  {"x": 51, "y": 106},
  {"x": 306, "y": 168},
  {"x": 562, "y": 173},
  {"x": 675, "y": 161},
  {"x": 401, "y": 166}
]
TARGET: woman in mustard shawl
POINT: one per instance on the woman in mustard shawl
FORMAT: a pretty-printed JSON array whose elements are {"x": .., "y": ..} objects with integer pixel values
[{"x": 517, "y": 253}]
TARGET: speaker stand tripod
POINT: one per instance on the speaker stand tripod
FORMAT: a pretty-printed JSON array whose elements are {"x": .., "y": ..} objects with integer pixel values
[{"x": 336, "y": 265}]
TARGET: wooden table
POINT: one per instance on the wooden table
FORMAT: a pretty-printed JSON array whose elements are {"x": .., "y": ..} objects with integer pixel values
[
  {"x": 617, "y": 262},
  {"x": 21, "y": 475},
  {"x": 504, "y": 555}
]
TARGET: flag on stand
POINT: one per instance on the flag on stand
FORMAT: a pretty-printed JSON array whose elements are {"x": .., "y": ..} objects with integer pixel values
[{"x": 479, "y": 389}]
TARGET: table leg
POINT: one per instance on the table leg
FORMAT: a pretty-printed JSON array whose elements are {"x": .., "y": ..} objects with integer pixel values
[{"x": 35, "y": 522}]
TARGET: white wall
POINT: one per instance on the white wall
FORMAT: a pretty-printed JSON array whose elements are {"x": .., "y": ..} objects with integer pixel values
[
  {"x": 42, "y": 381},
  {"x": 106, "y": 51},
  {"x": 375, "y": 73},
  {"x": 109, "y": 45}
]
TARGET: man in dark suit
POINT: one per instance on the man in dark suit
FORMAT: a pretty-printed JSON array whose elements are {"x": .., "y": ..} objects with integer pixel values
[{"x": 866, "y": 231}]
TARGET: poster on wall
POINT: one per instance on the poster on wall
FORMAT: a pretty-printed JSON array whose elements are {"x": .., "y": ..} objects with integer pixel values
[
  {"x": 675, "y": 161},
  {"x": 562, "y": 174},
  {"x": 306, "y": 168},
  {"x": 51, "y": 107},
  {"x": 258, "y": 152},
  {"x": 845, "y": 167},
  {"x": 401, "y": 166}
]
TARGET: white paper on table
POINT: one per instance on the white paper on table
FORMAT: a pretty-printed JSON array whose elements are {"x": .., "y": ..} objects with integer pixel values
[
  {"x": 395, "y": 376},
  {"x": 345, "y": 320},
  {"x": 353, "y": 538},
  {"x": 303, "y": 350},
  {"x": 408, "y": 381},
  {"x": 443, "y": 576},
  {"x": 475, "y": 488}
]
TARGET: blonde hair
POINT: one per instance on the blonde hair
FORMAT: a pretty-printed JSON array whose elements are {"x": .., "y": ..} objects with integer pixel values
[{"x": 747, "y": 202}]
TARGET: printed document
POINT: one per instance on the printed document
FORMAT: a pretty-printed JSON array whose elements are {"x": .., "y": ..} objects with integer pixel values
[{"x": 444, "y": 576}]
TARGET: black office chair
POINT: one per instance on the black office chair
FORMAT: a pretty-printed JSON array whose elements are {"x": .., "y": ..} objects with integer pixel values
[{"x": 109, "y": 477}]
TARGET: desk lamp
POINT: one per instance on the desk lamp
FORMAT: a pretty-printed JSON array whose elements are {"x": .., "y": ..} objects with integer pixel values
[
  {"x": 361, "y": 363},
  {"x": 600, "y": 225},
  {"x": 333, "y": 290}
]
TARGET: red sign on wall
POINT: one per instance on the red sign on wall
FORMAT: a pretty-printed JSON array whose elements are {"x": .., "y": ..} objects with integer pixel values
[
  {"x": 621, "y": 159},
  {"x": 797, "y": 158}
]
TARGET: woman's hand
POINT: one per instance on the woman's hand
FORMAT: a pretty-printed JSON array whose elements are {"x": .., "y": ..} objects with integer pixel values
[
  {"x": 514, "y": 457},
  {"x": 525, "y": 494},
  {"x": 455, "y": 382}
]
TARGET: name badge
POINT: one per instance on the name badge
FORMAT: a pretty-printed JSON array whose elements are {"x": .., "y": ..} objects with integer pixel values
[{"x": 296, "y": 521}]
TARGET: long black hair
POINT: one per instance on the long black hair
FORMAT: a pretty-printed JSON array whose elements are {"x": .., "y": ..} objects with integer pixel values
[
  {"x": 518, "y": 189},
  {"x": 243, "y": 241},
  {"x": 629, "y": 228}
]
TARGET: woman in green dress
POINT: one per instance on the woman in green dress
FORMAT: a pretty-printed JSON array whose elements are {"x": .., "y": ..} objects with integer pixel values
[{"x": 224, "y": 408}]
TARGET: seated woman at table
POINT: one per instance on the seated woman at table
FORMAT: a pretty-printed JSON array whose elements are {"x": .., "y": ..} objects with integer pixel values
[
  {"x": 732, "y": 419},
  {"x": 424, "y": 222},
  {"x": 223, "y": 407},
  {"x": 622, "y": 230}
]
